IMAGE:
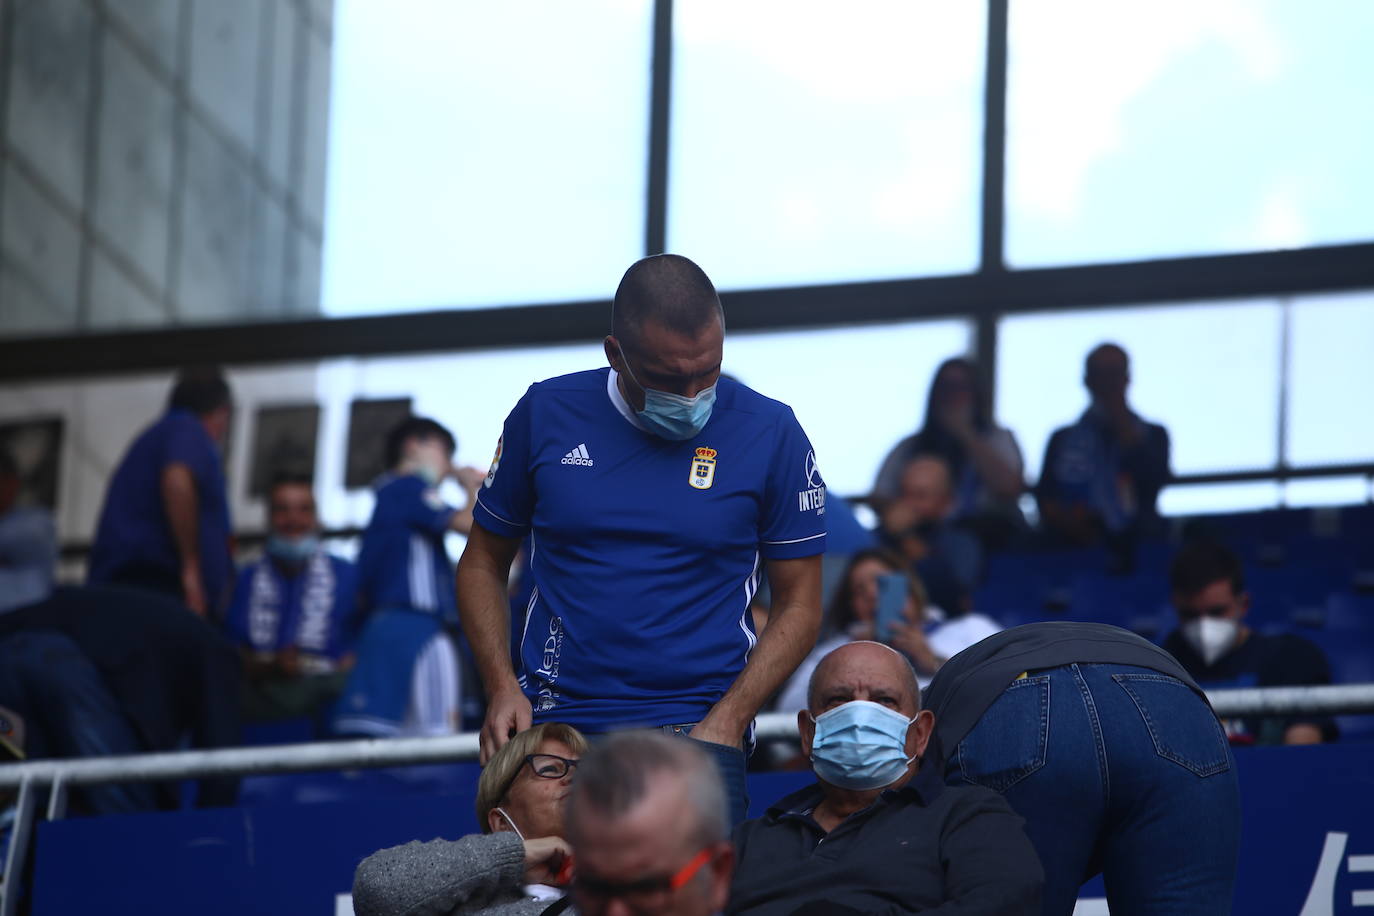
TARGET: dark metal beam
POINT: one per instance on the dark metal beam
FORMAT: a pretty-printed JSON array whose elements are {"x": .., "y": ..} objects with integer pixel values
[
  {"x": 994, "y": 136},
  {"x": 660, "y": 99},
  {"x": 1309, "y": 270}
]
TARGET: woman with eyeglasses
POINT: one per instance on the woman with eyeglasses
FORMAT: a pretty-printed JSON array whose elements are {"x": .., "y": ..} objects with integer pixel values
[{"x": 520, "y": 862}]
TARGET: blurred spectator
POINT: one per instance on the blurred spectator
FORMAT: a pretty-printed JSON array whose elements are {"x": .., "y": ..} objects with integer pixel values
[
  {"x": 648, "y": 822},
  {"x": 1101, "y": 741},
  {"x": 1219, "y": 650},
  {"x": 292, "y": 612},
  {"x": 408, "y": 678},
  {"x": 916, "y": 525},
  {"x": 165, "y": 522},
  {"x": 865, "y": 838},
  {"x": 513, "y": 866},
  {"x": 28, "y": 544},
  {"x": 1101, "y": 476},
  {"x": 107, "y": 670},
  {"x": 926, "y": 637},
  {"x": 984, "y": 459}
]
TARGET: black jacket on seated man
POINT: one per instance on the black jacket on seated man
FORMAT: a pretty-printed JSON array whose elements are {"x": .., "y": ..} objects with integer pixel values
[{"x": 915, "y": 850}]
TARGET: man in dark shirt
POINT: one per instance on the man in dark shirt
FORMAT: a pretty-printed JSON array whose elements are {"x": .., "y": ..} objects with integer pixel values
[
  {"x": 1217, "y": 648},
  {"x": 865, "y": 838},
  {"x": 1101, "y": 476},
  {"x": 1119, "y": 785},
  {"x": 107, "y": 670},
  {"x": 165, "y": 522}
]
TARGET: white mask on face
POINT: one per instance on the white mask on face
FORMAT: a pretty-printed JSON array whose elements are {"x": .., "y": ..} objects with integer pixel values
[
  {"x": 1211, "y": 637},
  {"x": 502, "y": 812}
]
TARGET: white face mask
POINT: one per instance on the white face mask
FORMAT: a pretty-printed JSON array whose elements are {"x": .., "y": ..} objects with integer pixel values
[
  {"x": 1212, "y": 637},
  {"x": 502, "y": 812}
]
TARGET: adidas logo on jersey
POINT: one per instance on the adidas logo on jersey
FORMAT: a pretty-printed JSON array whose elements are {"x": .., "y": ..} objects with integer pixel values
[{"x": 579, "y": 456}]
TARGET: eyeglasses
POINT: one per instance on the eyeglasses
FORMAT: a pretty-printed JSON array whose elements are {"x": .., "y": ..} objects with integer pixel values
[
  {"x": 546, "y": 766},
  {"x": 549, "y": 766},
  {"x": 647, "y": 894}
]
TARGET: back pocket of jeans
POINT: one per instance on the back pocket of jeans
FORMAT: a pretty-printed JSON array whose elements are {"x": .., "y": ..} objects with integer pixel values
[
  {"x": 1184, "y": 728},
  {"x": 1008, "y": 743}
]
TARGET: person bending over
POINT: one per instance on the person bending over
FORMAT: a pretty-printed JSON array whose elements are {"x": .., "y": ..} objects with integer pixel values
[{"x": 1109, "y": 750}]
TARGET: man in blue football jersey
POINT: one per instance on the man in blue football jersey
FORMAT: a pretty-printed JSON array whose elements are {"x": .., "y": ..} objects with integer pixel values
[
  {"x": 293, "y": 611},
  {"x": 407, "y": 679},
  {"x": 656, "y": 492},
  {"x": 165, "y": 522}
]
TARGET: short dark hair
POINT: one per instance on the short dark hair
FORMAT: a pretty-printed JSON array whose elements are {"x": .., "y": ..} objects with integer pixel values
[
  {"x": 666, "y": 288},
  {"x": 1103, "y": 348},
  {"x": 287, "y": 478},
  {"x": 1202, "y": 562},
  {"x": 414, "y": 428},
  {"x": 201, "y": 390}
]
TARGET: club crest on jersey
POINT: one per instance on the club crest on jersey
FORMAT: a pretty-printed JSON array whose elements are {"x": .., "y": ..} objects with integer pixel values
[{"x": 703, "y": 469}]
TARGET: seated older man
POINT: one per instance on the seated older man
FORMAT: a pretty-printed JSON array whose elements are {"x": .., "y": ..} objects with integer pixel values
[{"x": 866, "y": 838}]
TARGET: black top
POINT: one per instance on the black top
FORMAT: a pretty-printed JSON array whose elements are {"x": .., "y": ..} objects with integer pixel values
[
  {"x": 966, "y": 685},
  {"x": 1261, "y": 661},
  {"x": 926, "y": 850},
  {"x": 171, "y": 673}
]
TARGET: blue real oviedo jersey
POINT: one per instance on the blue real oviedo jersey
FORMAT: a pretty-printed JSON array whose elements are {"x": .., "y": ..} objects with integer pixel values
[{"x": 646, "y": 552}]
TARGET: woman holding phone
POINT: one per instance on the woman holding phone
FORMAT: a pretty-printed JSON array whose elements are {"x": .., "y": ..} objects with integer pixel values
[{"x": 879, "y": 599}]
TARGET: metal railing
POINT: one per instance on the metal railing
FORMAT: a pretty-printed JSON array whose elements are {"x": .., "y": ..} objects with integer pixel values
[{"x": 59, "y": 775}]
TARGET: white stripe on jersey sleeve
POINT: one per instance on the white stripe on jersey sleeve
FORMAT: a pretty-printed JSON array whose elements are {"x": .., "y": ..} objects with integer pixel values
[{"x": 798, "y": 540}]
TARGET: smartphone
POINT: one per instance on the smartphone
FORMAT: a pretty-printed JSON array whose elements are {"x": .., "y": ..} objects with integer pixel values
[{"x": 892, "y": 595}]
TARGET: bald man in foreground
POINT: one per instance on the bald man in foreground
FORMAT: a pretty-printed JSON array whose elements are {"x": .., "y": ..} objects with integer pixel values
[{"x": 866, "y": 838}]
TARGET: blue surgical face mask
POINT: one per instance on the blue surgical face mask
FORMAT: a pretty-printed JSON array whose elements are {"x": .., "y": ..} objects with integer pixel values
[
  {"x": 860, "y": 745},
  {"x": 673, "y": 416},
  {"x": 292, "y": 551}
]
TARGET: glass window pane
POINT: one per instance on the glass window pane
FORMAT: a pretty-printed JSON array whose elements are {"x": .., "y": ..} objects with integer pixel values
[
  {"x": 484, "y": 154},
  {"x": 1326, "y": 491},
  {"x": 1208, "y": 498},
  {"x": 1331, "y": 374},
  {"x": 1138, "y": 131},
  {"x": 1208, "y": 372},
  {"x": 815, "y": 143},
  {"x": 856, "y": 390}
]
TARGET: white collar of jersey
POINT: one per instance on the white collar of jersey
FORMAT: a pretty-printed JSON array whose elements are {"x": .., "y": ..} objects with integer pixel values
[{"x": 622, "y": 405}]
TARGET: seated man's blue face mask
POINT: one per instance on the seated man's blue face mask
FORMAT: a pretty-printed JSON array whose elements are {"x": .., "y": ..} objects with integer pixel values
[
  {"x": 673, "y": 416},
  {"x": 860, "y": 745}
]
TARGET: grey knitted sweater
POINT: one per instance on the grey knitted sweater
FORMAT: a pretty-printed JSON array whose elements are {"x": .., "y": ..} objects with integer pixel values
[{"x": 481, "y": 873}]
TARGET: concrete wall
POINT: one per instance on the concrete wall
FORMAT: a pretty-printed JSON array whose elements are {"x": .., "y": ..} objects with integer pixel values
[{"x": 161, "y": 161}]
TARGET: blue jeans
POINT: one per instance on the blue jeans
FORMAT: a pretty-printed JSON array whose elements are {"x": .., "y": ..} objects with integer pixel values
[
  {"x": 1119, "y": 770},
  {"x": 69, "y": 712},
  {"x": 730, "y": 761}
]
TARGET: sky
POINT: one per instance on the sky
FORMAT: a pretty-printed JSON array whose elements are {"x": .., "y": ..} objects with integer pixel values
[{"x": 490, "y": 154}]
